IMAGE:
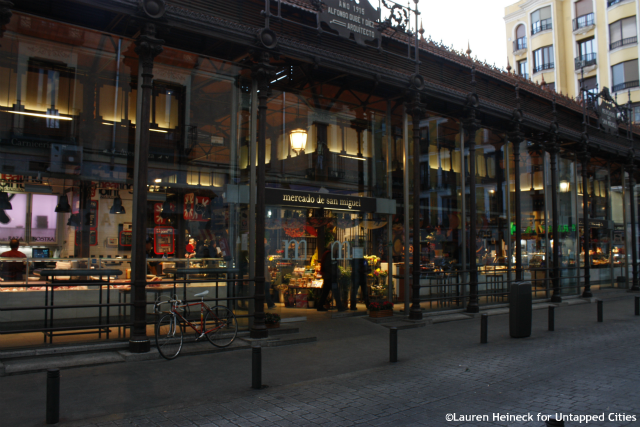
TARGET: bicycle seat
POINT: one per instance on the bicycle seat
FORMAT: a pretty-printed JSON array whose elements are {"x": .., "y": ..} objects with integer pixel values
[{"x": 201, "y": 294}]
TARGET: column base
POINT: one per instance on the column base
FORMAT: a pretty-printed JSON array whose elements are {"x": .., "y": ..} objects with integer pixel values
[
  {"x": 139, "y": 345},
  {"x": 473, "y": 308},
  {"x": 556, "y": 298},
  {"x": 587, "y": 294},
  {"x": 415, "y": 314}
]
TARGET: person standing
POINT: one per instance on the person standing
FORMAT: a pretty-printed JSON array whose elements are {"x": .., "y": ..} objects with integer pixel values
[
  {"x": 329, "y": 272},
  {"x": 267, "y": 279},
  {"x": 13, "y": 270}
]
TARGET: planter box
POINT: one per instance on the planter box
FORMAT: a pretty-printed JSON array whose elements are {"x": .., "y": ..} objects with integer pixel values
[
  {"x": 272, "y": 326},
  {"x": 381, "y": 313}
]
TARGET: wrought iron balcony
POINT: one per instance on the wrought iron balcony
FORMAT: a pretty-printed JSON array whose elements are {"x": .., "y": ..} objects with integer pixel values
[
  {"x": 520, "y": 44},
  {"x": 539, "y": 26},
  {"x": 628, "y": 40},
  {"x": 547, "y": 66},
  {"x": 626, "y": 85},
  {"x": 583, "y": 21},
  {"x": 612, "y": 2},
  {"x": 584, "y": 61}
]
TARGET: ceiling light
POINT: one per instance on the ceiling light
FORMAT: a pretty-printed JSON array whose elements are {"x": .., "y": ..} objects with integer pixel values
[
  {"x": 63, "y": 205},
  {"x": 347, "y": 156},
  {"x": 158, "y": 130},
  {"x": 46, "y": 116}
]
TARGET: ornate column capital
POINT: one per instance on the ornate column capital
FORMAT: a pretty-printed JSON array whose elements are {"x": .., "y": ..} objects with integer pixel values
[{"x": 148, "y": 46}]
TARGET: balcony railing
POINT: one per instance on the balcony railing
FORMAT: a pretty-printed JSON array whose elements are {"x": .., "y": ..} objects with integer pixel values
[
  {"x": 585, "y": 60},
  {"x": 547, "y": 66},
  {"x": 628, "y": 40},
  {"x": 626, "y": 85},
  {"x": 583, "y": 21},
  {"x": 520, "y": 44},
  {"x": 612, "y": 2},
  {"x": 538, "y": 26}
]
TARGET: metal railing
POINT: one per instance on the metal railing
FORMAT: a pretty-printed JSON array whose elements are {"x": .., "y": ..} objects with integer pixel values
[
  {"x": 583, "y": 21},
  {"x": 612, "y": 2},
  {"x": 625, "y": 85},
  {"x": 585, "y": 60},
  {"x": 520, "y": 44},
  {"x": 100, "y": 317},
  {"x": 623, "y": 42},
  {"x": 546, "y": 66},
  {"x": 542, "y": 25}
]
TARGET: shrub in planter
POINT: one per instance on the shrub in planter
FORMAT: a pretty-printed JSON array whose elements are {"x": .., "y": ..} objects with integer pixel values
[
  {"x": 272, "y": 320},
  {"x": 381, "y": 309}
]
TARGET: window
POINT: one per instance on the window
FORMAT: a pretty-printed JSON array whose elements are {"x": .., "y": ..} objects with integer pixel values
[
  {"x": 635, "y": 114},
  {"x": 521, "y": 39},
  {"x": 625, "y": 75},
  {"x": 541, "y": 20},
  {"x": 586, "y": 53},
  {"x": 623, "y": 32},
  {"x": 590, "y": 85},
  {"x": 584, "y": 14},
  {"x": 36, "y": 210},
  {"x": 523, "y": 68},
  {"x": 551, "y": 86},
  {"x": 543, "y": 59}
]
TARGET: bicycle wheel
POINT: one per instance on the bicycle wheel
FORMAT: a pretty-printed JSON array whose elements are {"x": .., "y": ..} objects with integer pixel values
[
  {"x": 169, "y": 336},
  {"x": 222, "y": 324}
]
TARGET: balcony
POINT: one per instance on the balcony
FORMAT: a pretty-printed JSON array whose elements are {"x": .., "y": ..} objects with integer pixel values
[
  {"x": 623, "y": 42},
  {"x": 584, "y": 61},
  {"x": 539, "y": 26},
  {"x": 625, "y": 85},
  {"x": 520, "y": 46},
  {"x": 613, "y": 2},
  {"x": 542, "y": 67},
  {"x": 584, "y": 23}
]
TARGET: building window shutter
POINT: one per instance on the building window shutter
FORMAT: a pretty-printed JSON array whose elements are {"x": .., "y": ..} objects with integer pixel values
[
  {"x": 615, "y": 32},
  {"x": 631, "y": 71},
  {"x": 584, "y": 7},
  {"x": 545, "y": 13},
  {"x": 520, "y": 32},
  {"x": 629, "y": 27}
]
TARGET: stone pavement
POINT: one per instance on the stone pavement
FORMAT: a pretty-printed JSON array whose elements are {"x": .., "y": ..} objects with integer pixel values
[{"x": 584, "y": 367}]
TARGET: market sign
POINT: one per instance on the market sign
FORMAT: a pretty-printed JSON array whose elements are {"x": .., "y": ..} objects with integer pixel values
[
  {"x": 598, "y": 223},
  {"x": 308, "y": 199},
  {"x": 349, "y": 17},
  {"x": 607, "y": 118}
]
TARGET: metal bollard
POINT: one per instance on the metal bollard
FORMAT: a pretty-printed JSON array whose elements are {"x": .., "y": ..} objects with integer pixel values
[
  {"x": 484, "y": 325},
  {"x": 393, "y": 344},
  {"x": 600, "y": 310},
  {"x": 53, "y": 396},
  {"x": 256, "y": 367},
  {"x": 552, "y": 319},
  {"x": 637, "y": 306},
  {"x": 552, "y": 422}
]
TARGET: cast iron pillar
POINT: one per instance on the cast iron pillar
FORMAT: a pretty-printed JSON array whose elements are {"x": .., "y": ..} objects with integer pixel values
[
  {"x": 584, "y": 159},
  {"x": 147, "y": 48},
  {"x": 634, "y": 250},
  {"x": 515, "y": 137},
  {"x": 262, "y": 72},
  {"x": 553, "y": 149},
  {"x": 471, "y": 126},
  {"x": 415, "y": 312}
]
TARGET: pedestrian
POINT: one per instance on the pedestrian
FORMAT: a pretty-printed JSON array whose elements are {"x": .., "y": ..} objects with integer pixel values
[{"x": 329, "y": 271}]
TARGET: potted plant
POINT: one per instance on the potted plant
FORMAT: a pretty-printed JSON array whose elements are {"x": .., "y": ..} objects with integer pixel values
[
  {"x": 381, "y": 309},
  {"x": 312, "y": 295},
  {"x": 272, "y": 320}
]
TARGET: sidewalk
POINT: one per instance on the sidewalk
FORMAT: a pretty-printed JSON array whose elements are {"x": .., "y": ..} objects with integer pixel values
[{"x": 345, "y": 379}]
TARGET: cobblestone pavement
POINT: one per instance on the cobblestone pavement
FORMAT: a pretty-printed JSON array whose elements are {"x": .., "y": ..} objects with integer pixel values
[{"x": 585, "y": 369}]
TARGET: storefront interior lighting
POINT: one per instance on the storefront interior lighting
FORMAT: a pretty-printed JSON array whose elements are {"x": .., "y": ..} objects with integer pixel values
[
  {"x": 157, "y": 180},
  {"x": 298, "y": 138},
  {"x": 107, "y": 123},
  {"x": 564, "y": 186},
  {"x": 117, "y": 207},
  {"x": 158, "y": 130},
  {"x": 46, "y": 116},
  {"x": 348, "y": 156}
]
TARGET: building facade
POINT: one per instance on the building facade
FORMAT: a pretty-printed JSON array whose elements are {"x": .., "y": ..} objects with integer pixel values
[
  {"x": 577, "y": 45},
  {"x": 152, "y": 148}
]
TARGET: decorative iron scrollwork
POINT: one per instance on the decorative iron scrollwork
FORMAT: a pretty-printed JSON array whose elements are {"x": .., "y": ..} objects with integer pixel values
[
  {"x": 317, "y": 5},
  {"x": 398, "y": 17}
]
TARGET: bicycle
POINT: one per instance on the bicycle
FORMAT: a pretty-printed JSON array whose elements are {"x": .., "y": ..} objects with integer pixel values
[{"x": 219, "y": 325}]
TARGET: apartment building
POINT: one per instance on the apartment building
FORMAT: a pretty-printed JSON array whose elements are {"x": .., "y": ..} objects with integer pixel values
[{"x": 565, "y": 43}]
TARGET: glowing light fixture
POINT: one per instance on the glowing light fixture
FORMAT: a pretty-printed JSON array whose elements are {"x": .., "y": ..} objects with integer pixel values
[
  {"x": 157, "y": 180},
  {"x": 117, "y": 207},
  {"x": 158, "y": 130},
  {"x": 348, "y": 156},
  {"x": 46, "y": 116},
  {"x": 564, "y": 186},
  {"x": 298, "y": 138}
]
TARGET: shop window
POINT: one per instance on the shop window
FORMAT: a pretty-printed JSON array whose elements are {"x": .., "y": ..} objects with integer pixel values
[
  {"x": 32, "y": 218},
  {"x": 589, "y": 86},
  {"x": 635, "y": 117},
  {"x": 543, "y": 59},
  {"x": 521, "y": 38},
  {"x": 541, "y": 20},
  {"x": 625, "y": 75},
  {"x": 623, "y": 32}
]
